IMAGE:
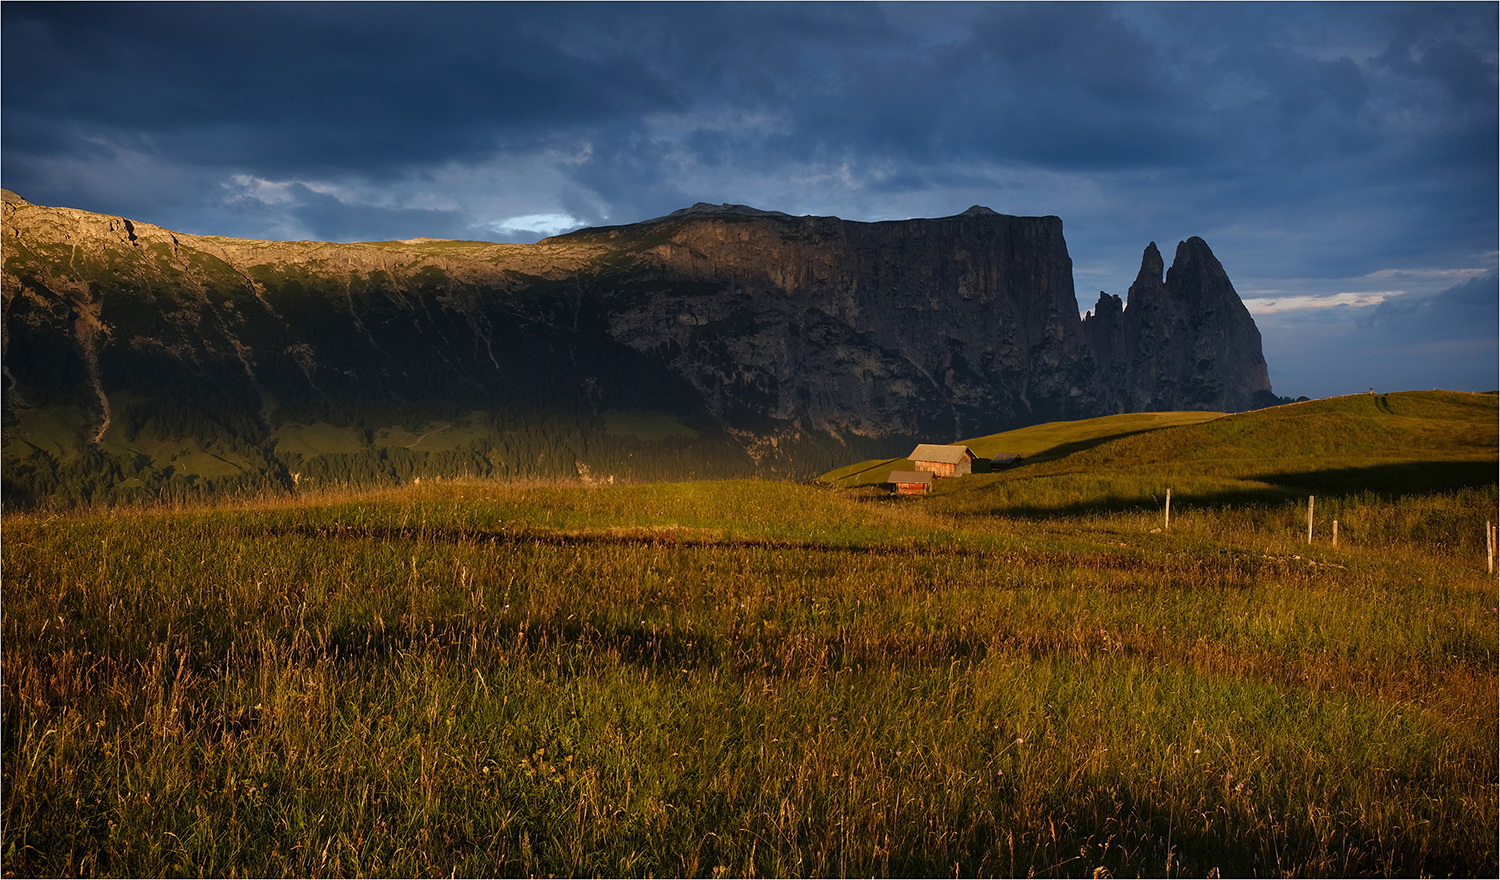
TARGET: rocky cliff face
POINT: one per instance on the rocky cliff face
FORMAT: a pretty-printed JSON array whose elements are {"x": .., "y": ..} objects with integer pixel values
[
  {"x": 793, "y": 342},
  {"x": 944, "y": 327},
  {"x": 1185, "y": 341}
]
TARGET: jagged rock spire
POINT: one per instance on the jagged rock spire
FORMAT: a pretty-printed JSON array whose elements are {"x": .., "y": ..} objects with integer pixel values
[
  {"x": 1183, "y": 341},
  {"x": 1149, "y": 278}
]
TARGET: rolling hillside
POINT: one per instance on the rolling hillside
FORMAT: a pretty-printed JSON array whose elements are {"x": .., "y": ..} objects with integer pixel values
[
  {"x": 1407, "y": 442},
  {"x": 1034, "y": 444}
]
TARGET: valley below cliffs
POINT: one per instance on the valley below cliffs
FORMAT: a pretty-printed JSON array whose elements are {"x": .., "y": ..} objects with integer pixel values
[{"x": 716, "y": 341}]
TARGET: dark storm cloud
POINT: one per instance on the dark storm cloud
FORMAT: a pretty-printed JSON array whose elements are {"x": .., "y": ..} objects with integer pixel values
[
  {"x": 302, "y": 90},
  {"x": 1470, "y": 310},
  {"x": 303, "y": 87},
  {"x": 1443, "y": 340}
]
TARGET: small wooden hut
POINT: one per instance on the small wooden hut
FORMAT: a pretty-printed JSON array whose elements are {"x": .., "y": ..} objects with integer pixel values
[
  {"x": 1004, "y": 460},
  {"x": 911, "y": 482},
  {"x": 943, "y": 461}
]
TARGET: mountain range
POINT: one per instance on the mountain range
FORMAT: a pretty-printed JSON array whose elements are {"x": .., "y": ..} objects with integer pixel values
[{"x": 719, "y": 340}]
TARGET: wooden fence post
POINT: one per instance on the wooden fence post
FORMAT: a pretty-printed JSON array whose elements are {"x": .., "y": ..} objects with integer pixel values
[
  {"x": 1489, "y": 547},
  {"x": 1309, "y": 518},
  {"x": 1167, "y": 523},
  {"x": 1335, "y": 533}
]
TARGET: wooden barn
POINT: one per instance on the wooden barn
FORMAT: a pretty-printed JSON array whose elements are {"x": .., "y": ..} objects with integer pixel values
[
  {"x": 1004, "y": 460},
  {"x": 911, "y": 482},
  {"x": 943, "y": 461}
]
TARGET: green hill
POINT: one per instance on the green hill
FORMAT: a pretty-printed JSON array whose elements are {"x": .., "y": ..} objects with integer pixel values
[
  {"x": 1034, "y": 444},
  {"x": 1408, "y": 442}
]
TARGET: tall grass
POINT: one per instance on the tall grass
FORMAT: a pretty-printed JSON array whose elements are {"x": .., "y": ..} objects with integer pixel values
[{"x": 750, "y": 678}]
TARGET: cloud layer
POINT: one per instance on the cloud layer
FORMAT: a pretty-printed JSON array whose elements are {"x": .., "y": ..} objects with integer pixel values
[
  {"x": 1407, "y": 341},
  {"x": 1313, "y": 146}
]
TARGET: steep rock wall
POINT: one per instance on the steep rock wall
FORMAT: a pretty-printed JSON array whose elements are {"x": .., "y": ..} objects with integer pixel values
[{"x": 953, "y": 325}]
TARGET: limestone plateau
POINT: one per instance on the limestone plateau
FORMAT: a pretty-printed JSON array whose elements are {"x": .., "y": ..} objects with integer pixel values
[{"x": 775, "y": 333}]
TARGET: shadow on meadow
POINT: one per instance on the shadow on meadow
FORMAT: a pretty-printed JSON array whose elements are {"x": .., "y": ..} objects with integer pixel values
[
  {"x": 1063, "y": 450},
  {"x": 1384, "y": 482},
  {"x": 1400, "y": 478},
  {"x": 636, "y": 537}
]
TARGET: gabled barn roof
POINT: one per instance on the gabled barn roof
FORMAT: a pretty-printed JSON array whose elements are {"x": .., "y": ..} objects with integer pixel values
[
  {"x": 940, "y": 452},
  {"x": 910, "y": 477}
]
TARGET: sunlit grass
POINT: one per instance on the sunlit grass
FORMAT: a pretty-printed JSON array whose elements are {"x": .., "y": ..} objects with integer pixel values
[
  {"x": 1027, "y": 672},
  {"x": 1316, "y": 443},
  {"x": 751, "y": 678}
]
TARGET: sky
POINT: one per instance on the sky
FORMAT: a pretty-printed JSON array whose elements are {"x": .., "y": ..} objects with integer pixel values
[{"x": 1341, "y": 160}]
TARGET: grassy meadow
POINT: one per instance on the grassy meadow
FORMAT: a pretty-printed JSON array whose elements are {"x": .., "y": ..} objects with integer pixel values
[{"x": 1025, "y": 673}]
